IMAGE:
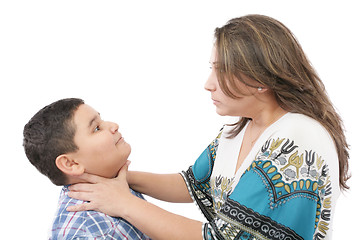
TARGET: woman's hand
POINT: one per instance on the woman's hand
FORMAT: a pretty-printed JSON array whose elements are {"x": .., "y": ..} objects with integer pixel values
[
  {"x": 113, "y": 197},
  {"x": 109, "y": 196}
]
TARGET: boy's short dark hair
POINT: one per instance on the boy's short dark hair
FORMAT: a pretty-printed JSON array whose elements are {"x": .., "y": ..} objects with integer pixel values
[{"x": 50, "y": 133}]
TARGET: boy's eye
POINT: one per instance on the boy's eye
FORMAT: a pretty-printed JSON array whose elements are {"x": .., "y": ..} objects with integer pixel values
[{"x": 97, "y": 128}]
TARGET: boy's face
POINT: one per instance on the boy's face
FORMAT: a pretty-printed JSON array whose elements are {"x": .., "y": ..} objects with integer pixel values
[{"x": 102, "y": 149}]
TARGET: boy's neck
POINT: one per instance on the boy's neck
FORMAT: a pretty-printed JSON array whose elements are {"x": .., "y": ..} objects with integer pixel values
[{"x": 73, "y": 180}]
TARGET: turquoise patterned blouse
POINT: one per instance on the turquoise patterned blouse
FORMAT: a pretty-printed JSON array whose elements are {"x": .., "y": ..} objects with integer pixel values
[{"x": 285, "y": 189}]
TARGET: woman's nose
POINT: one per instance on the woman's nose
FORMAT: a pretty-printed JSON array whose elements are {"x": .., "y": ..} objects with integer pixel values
[{"x": 210, "y": 84}]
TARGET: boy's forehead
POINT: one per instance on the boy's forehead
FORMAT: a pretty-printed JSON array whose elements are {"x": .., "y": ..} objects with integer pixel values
[{"x": 85, "y": 115}]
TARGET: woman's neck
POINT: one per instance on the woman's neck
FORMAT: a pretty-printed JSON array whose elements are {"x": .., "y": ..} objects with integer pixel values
[{"x": 268, "y": 116}]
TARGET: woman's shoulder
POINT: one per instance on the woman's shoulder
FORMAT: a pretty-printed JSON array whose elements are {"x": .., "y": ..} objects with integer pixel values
[
  {"x": 297, "y": 121},
  {"x": 304, "y": 136},
  {"x": 303, "y": 129}
]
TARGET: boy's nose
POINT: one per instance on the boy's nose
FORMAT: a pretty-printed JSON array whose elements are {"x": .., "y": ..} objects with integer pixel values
[{"x": 114, "y": 127}]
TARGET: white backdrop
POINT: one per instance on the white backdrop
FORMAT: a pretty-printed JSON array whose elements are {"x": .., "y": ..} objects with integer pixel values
[{"x": 143, "y": 65}]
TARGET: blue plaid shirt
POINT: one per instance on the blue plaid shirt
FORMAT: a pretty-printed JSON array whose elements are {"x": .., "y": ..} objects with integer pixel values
[{"x": 90, "y": 224}]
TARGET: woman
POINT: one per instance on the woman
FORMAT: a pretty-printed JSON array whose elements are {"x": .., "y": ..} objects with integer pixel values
[{"x": 275, "y": 174}]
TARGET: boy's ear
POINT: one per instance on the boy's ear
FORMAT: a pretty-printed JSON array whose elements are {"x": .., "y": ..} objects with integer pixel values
[{"x": 69, "y": 166}]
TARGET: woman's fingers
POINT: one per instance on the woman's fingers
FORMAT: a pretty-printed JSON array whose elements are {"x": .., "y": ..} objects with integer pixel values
[
  {"x": 80, "y": 207},
  {"x": 106, "y": 195},
  {"x": 84, "y": 196},
  {"x": 77, "y": 193}
]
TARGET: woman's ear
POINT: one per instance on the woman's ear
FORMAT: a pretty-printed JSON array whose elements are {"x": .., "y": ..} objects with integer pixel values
[
  {"x": 69, "y": 166},
  {"x": 262, "y": 89}
]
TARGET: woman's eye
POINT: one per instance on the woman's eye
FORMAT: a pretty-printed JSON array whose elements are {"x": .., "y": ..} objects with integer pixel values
[{"x": 97, "y": 129}]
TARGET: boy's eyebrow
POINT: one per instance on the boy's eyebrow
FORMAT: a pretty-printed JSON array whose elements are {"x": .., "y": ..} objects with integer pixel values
[{"x": 94, "y": 119}]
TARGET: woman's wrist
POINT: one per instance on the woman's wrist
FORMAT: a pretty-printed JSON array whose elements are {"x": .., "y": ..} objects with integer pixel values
[
  {"x": 130, "y": 207},
  {"x": 130, "y": 178}
]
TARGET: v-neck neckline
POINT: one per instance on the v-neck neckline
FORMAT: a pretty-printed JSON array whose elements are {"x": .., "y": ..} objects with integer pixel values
[{"x": 254, "y": 149}]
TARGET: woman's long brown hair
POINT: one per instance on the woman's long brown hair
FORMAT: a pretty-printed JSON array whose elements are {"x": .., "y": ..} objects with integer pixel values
[{"x": 265, "y": 50}]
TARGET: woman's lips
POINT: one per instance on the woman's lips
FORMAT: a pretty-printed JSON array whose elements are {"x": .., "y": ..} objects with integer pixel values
[{"x": 215, "y": 101}]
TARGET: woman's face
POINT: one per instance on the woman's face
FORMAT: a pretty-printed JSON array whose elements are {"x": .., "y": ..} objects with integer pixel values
[{"x": 226, "y": 106}]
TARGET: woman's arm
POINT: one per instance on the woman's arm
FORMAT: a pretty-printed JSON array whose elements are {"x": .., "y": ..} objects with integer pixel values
[
  {"x": 165, "y": 187},
  {"x": 113, "y": 197},
  {"x": 160, "y": 224}
]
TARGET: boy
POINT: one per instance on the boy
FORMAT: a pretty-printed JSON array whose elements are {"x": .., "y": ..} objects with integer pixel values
[{"x": 64, "y": 140}]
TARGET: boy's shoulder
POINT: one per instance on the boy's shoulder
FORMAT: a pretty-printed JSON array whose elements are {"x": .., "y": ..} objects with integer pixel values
[
  {"x": 87, "y": 224},
  {"x": 79, "y": 224}
]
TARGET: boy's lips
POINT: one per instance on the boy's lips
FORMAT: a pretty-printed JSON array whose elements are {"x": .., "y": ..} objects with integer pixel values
[{"x": 119, "y": 140}]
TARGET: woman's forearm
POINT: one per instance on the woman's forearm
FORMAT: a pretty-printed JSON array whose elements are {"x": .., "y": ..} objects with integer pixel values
[
  {"x": 113, "y": 197},
  {"x": 165, "y": 187},
  {"x": 160, "y": 224}
]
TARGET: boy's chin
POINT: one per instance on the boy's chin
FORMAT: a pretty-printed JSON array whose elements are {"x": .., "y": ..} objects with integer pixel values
[{"x": 115, "y": 174}]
